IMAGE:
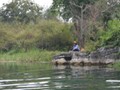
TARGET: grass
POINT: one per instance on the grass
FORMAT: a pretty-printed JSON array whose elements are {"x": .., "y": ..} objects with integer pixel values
[
  {"x": 29, "y": 56},
  {"x": 115, "y": 65}
]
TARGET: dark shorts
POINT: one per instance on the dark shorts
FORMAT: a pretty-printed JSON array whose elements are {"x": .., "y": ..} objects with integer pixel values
[{"x": 76, "y": 50}]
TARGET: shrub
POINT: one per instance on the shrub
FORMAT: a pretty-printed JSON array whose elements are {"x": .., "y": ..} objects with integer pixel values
[
  {"x": 112, "y": 35},
  {"x": 47, "y": 34}
]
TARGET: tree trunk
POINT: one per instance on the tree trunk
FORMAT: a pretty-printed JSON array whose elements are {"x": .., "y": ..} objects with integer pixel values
[{"x": 79, "y": 27}]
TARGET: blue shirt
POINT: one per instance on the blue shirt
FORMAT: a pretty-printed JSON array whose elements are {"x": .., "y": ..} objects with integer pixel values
[{"x": 76, "y": 47}]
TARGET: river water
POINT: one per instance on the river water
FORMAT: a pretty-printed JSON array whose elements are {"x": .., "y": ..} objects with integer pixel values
[{"x": 31, "y": 76}]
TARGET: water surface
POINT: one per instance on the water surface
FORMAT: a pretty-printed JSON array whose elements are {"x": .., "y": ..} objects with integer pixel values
[{"x": 29, "y": 76}]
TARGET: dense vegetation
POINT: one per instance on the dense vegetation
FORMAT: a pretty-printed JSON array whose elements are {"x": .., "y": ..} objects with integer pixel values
[
  {"x": 51, "y": 35},
  {"x": 112, "y": 35},
  {"x": 89, "y": 17},
  {"x": 33, "y": 56},
  {"x": 93, "y": 23}
]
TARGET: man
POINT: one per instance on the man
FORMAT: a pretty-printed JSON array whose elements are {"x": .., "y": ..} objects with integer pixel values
[{"x": 75, "y": 47}]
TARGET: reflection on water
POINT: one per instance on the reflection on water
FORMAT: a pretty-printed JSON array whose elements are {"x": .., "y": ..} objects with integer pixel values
[{"x": 15, "y": 76}]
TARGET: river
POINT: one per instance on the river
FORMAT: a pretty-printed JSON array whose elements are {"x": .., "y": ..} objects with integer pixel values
[{"x": 31, "y": 76}]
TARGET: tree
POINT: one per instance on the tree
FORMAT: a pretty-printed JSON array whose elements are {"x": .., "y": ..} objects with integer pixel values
[
  {"x": 84, "y": 14},
  {"x": 20, "y": 10},
  {"x": 78, "y": 11},
  {"x": 50, "y": 14},
  {"x": 111, "y": 11}
]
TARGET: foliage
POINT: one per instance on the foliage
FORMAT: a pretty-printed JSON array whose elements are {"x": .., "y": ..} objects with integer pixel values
[
  {"x": 90, "y": 46},
  {"x": 47, "y": 34},
  {"x": 115, "y": 65},
  {"x": 20, "y": 10},
  {"x": 87, "y": 16},
  {"x": 66, "y": 8},
  {"x": 26, "y": 39},
  {"x": 50, "y": 14},
  {"x": 34, "y": 55},
  {"x": 54, "y": 35},
  {"x": 81, "y": 12},
  {"x": 111, "y": 11},
  {"x": 112, "y": 35},
  {"x": 6, "y": 38}
]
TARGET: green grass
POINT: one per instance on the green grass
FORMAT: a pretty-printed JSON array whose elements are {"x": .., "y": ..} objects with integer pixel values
[
  {"x": 115, "y": 65},
  {"x": 29, "y": 56}
]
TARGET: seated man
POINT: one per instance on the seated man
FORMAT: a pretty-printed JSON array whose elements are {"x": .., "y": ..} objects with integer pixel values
[{"x": 75, "y": 47}]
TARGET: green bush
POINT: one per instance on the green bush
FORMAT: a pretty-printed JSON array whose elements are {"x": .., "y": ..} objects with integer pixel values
[
  {"x": 54, "y": 35},
  {"x": 47, "y": 34},
  {"x": 112, "y": 35}
]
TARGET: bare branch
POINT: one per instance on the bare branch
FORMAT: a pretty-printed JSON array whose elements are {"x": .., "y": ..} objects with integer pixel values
[{"x": 111, "y": 6}]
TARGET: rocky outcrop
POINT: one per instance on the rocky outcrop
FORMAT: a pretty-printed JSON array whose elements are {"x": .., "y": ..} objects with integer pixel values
[
  {"x": 100, "y": 56},
  {"x": 106, "y": 53}
]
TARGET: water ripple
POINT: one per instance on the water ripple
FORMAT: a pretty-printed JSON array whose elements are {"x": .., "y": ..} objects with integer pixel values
[{"x": 23, "y": 84}]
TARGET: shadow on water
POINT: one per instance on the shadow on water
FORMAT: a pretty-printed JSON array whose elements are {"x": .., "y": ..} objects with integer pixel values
[{"x": 25, "y": 76}]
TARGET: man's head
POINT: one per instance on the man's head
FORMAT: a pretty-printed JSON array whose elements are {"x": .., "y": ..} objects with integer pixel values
[{"x": 75, "y": 42}]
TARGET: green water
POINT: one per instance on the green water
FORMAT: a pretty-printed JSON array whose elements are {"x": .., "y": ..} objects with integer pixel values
[{"x": 31, "y": 76}]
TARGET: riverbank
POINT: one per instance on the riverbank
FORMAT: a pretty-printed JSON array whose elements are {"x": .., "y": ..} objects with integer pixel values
[
  {"x": 33, "y": 55},
  {"x": 102, "y": 56}
]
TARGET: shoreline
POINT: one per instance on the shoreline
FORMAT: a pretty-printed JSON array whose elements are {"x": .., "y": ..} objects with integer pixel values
[{"x": 102, "y": 56}]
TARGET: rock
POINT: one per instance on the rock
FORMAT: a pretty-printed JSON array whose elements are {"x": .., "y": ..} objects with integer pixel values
[
  {"x": 66, "y": 55},
  {"x": 60, "y": 61},
  {"x": 105, "y": 53},
  {"x": 99, "y": 57}
]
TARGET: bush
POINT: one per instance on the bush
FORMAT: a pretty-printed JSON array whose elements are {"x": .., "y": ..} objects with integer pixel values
[
  {"x": 112, "y": 35},
  {"x": 47, "y": 34}
]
